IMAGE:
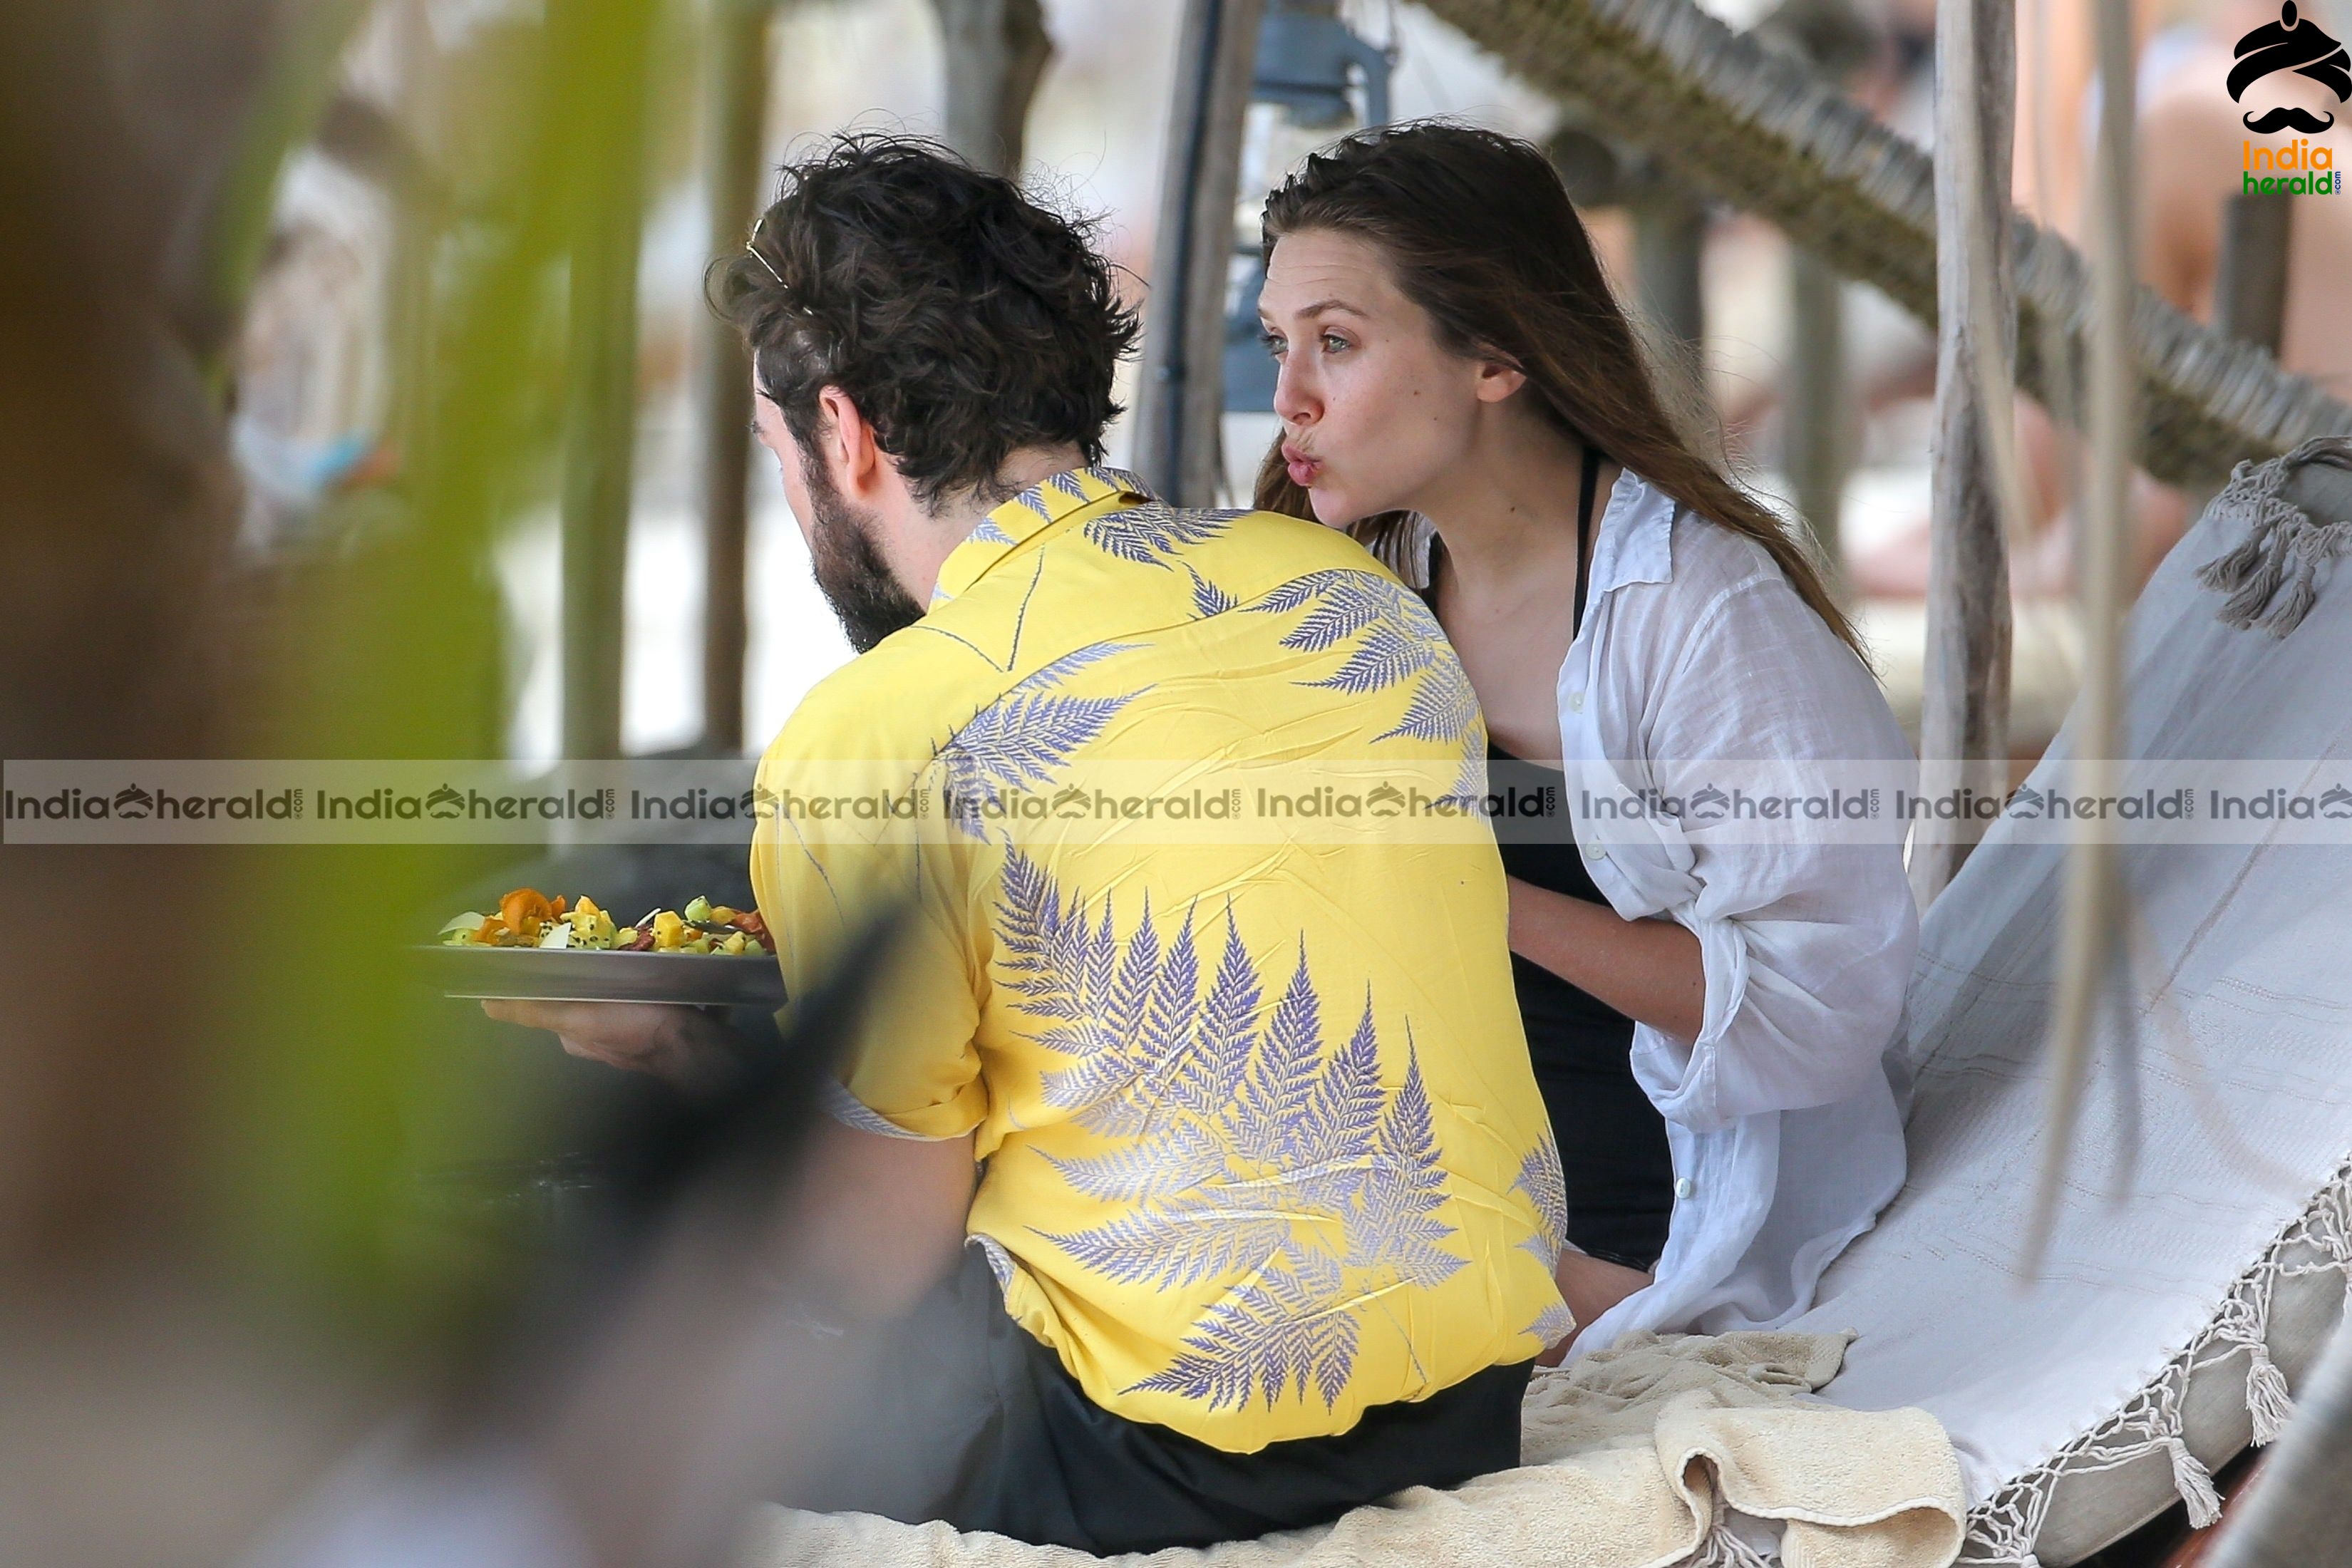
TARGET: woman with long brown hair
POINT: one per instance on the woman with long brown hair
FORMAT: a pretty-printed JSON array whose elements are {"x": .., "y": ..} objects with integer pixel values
[{"x": 1459, "y": 389}]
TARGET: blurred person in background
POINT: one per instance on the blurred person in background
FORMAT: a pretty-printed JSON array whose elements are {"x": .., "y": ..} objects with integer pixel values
[
  {"x": 1708, "y": 1017},
  {"x": 1203, "y": 1188},
  {"x": 2196, "y": 147},
  {"x": 2197, "y": 143}
]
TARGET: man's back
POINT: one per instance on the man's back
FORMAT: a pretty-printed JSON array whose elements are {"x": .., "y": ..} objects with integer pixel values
[{"x": 1201, "y": 952}]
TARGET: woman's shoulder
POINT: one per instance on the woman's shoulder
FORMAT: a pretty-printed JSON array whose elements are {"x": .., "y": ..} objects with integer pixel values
[
  {"x": 1723, "y": 595},
  {"x": 1695, "y": 561},
  {"x": 1725, "y": 623},
  {"x": 1713, "y": 559}
]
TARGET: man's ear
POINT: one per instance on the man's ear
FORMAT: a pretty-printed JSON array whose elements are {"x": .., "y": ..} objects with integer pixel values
[
  {"x": 1498, "y": 379},
  {"x": 850, "y": 450}
]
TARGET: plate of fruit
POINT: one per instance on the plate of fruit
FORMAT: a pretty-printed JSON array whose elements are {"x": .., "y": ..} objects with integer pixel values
[{"x": 564, "y": 949}]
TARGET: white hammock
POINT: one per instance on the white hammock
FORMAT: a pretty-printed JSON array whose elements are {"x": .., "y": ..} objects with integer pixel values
[{"x": 2168, "y": 1322}]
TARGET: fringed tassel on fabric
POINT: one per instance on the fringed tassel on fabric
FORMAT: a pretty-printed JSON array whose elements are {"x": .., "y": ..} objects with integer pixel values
[
  {"x": 2267, "y": 1400},
  {"x": 2254, "y": 569},
  {"x": 2243, "y": 1324},
  {"x": 2272, "y": 577},
  {"x": 2003, "y": 1530},
  {"x": 1723, "y": 1548},
  {"x": 2194, "y": 1482}
]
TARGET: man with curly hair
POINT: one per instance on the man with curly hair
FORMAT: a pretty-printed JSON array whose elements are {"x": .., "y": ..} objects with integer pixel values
[{"x": 1190, "y": 1147}]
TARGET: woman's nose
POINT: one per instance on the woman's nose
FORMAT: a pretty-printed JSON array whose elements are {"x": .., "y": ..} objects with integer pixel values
[{"x": 1295, "y": 401}]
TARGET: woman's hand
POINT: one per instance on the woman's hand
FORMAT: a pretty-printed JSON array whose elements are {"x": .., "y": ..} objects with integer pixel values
[
  {"x": 684, "y": 1044},
  {"x": 1589, "y": 1286}
]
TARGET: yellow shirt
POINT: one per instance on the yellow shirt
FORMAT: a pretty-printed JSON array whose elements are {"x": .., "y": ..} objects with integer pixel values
[{"x": 1263, "y": 1145}]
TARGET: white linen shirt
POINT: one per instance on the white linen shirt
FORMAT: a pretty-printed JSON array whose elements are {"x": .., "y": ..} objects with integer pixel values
[{"x": 1783, "y": 1116}]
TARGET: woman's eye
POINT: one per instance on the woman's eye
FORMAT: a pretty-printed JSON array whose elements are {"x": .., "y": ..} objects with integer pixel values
[
  {"x": 1334, "y": 344},
  {"x": 1272, "y": 344}
]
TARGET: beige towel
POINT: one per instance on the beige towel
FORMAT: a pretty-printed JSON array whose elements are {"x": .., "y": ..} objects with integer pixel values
[{"x": 1634, "y": 1457}]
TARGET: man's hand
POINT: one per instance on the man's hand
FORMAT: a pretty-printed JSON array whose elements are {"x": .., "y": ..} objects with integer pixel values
[{"x": 684, "y": 1044}]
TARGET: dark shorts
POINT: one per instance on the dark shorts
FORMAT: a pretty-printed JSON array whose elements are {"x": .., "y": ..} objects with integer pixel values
[
  {"x": 1613, "y": 1157},
  {"x": 972, "y": 1421}
]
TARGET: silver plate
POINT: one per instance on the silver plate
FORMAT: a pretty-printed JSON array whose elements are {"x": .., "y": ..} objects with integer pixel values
[{"x": 564, "y": 975}]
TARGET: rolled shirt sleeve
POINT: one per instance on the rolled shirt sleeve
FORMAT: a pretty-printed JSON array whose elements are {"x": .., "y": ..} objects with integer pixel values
[
  {"x": 822, "y": 873},
  {"x": 1806, "y": 945}
]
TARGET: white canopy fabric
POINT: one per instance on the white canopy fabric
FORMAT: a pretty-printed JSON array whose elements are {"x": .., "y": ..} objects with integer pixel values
[{"x": 2230, "y": 1047}]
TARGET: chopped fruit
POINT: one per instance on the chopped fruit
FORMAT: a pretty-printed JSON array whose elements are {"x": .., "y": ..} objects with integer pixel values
[
  {"x": 524, "y": 906},
  {"x": 527, "y": 918}
]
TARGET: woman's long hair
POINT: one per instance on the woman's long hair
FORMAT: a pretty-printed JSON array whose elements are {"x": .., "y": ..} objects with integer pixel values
[{"x": 1482, "y": 235}]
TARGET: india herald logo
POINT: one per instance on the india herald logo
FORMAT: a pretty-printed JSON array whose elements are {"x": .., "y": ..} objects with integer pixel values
[
  {"x": 2290, "y": 44},
  {"x": 1707, "y": 804}
]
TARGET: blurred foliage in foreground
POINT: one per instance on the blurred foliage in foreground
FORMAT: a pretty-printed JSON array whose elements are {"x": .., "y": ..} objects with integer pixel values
[{"x": 249, "y": 1089}]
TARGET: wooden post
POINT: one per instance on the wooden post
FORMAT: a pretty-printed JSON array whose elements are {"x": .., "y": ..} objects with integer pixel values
[
  {"x": 1818, "y": 411},
  {"x": 2093, "y": 908},
  {"x": 1964, "y": 717},
  {"x": 1181, "y": 398},
  {"x": 1669, "y": 246},
  {"x": 738, "y": 78},
  {"x": 2249, "y": 295},
  {"x": 996, "y": 52},
  {"x": 601, "y": 415},
  {"x": 420, "y": 214},
  {"x": 2248, "y": 290}
]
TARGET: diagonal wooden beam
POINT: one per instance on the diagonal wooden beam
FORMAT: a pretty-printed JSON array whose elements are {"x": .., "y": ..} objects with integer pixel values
[{"x": 1761, "y": 132}]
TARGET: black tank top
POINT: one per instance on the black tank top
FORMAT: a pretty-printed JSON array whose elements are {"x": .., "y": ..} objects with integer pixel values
[{"x": 1612, "y": 1141}]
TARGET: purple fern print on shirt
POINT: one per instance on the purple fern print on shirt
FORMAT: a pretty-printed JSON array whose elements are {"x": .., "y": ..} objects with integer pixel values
[
  {"x": 1021, "y": 741},
  {"x": 1242, "y": 1146},
  {"x": 1391, "y": 640},
  {"x": 1208, "y": 599},
  {"x": 1402, "y": 1189},
  {"x": 1147, "y": 534},
  {"x": 1541, "y": 1181},
  {"x": 1271, "y": 1336}
]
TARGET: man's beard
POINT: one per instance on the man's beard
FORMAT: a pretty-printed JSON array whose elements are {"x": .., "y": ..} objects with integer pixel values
[{"x": 850, "y": 570}]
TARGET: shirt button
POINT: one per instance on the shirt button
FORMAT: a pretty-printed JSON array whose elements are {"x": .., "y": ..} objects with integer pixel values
[
  {"x": 1576, "y": 701},
  {"x": 1594, "y": 852},
  {"x": 1684, "y": 1186}
]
